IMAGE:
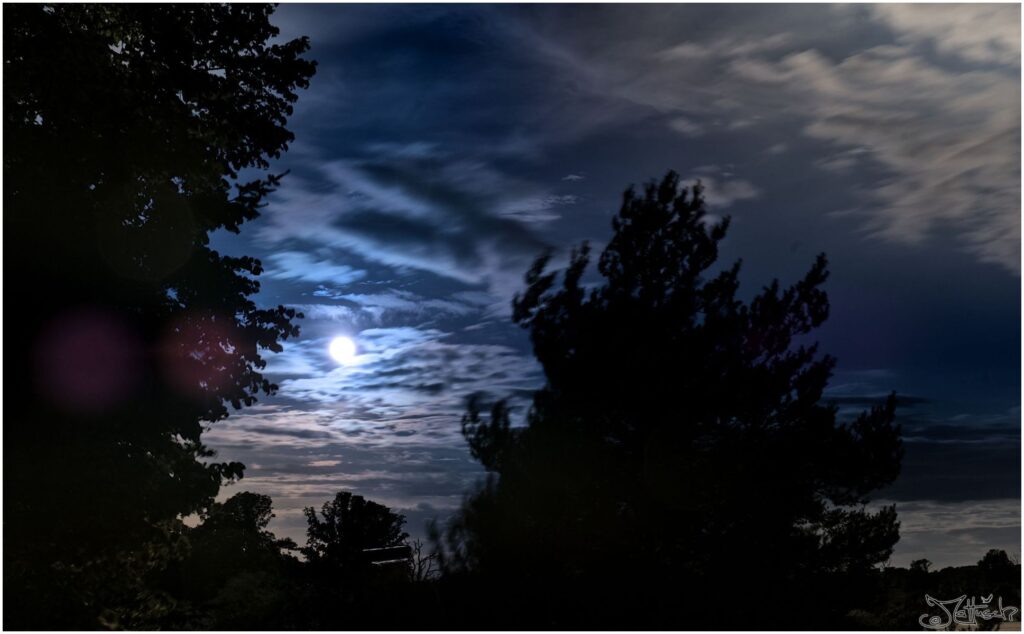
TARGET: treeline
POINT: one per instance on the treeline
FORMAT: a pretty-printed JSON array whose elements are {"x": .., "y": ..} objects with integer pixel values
[
  {"x": 359, "y": 570},
  {"x": 994, "y": 583}
]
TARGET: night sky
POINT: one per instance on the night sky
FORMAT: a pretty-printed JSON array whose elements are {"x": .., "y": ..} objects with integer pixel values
[{"x": 439, "y": 150}]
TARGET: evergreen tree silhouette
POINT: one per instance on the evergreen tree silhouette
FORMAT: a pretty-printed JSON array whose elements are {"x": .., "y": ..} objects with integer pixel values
[
  {"x": 681, "y": 435},
  {"x": 127, "y": 132}
]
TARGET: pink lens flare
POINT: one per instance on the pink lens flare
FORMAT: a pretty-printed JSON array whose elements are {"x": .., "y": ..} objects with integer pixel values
[{"x": 88, "y": 360}]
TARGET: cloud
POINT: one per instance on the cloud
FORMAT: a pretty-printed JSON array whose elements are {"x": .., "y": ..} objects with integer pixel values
[
  {"x": 422, "y": 481},
  {"x": 298, "y": 265},
  {"x": 935, "y": 145},
  {"x": 455, "y": 218},
  {"x": 572, "y": 177},
  {"x": 956, "y": 533},
  {"x": 386, "y": 427},
  {"x": 949, "y": 140},
  {"x": 930, "y": 94},
  {"x": 406, "y": 382},
  {"x": 843, "y": 161},
  {"x": 540, "y": 209},
  {"x": 686, "y": 127},
  {"x": 324, "y": 463},
  {"x": 721, "y": 190},
  {"x": 975, "y": 32},
  {"x": 726, "y": 46},
  {"x": 403, "y": 369},
  {"x": 277, "y": 430},
  {"x": 406, "y": 302},
  {"x": 362, "y": 310},
  {"x": 351, "y": 312}
]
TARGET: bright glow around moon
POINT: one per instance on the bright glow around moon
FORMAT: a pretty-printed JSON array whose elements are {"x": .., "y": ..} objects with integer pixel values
[{"x": 343, "y": 350}]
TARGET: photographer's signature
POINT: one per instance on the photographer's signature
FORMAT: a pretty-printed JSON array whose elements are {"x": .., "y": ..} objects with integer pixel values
[{"x": 965, "y": 611}]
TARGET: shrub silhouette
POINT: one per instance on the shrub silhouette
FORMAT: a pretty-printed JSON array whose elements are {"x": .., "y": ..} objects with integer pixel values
[{"x": 681, "y": 434}]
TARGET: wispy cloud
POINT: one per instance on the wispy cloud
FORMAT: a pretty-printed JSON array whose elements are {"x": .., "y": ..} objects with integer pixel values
[
  {"x": 974, "y": 32},
  {"x": 956, "y": 533},
  {"x": 540, "y": 209},
  {"x": 938, "y": 143},
  {"x": 362, "y": 310},
  {"x": 298, "y": 265},
  {"x": 454, "y": 218},
  {"x": 400, "y": 367},
  {"x": 949, "y": 140},
  {"x": 721, "y": 190},
  {"x": 686, "y": 127}
]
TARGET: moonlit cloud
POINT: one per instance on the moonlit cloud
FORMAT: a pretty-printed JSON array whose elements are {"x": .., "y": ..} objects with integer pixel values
[
  {"x": 686, "y": 127},
  {"x": 440, "y": 217},
  {"x": 727, "y": 47},
  {"x": 304, "y": 267},
  {"x": 956, "y": 533},
  {"x": 943, "y": 141},
  {"x": 949, "y": 140},
  {"x": 975, "y": 32},
  {"x": 722, "y": 193},
  {"x": 541, "y": 209},
  {"x": 366, "y": 309},
  {"x": 400, "y": 366}
]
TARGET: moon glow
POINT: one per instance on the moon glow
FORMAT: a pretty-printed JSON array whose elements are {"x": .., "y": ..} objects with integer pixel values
[{"x": 343, "y": 350}]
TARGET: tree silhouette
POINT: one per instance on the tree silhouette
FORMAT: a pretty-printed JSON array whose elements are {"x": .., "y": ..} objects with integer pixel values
[
  {"x": 232, "y": 539},
  {"x": 1001, "y": 577},
  {"x": 681, "y": 434},
  {"x": 346, "y": 526},
  {"x": 232, "y": 558},
  {"x": 995, "y": 562},
  {"x": 127, "y": 133}
]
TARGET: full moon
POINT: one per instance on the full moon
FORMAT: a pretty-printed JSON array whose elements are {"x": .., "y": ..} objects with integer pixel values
[{"x": 343, "y": 350}]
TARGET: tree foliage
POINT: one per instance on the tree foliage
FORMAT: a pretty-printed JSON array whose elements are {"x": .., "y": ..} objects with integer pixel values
[
  {"x": 681, "y": 430},
  {"x": 345, "y": 527},
  {"x": 131, "y": 133},
  {"x": 232, "y": 538},
  {"x": 995, "y": 562},
  {"x": 233, "y": 557}
]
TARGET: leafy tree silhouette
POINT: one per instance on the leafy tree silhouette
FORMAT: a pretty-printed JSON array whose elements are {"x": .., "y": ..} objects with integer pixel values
[
  {"x": 233, "y": 558},
  {"x": 346, "y": 526},
  {"x": 995, "y": 562},
  {"x": 681, "y": 435},
  {"x": 1000, "y": 577},
  {"x": 232, "y": 539},
  {"x": 920, "y": 566},
  {"x": 127, "y": 130}
]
